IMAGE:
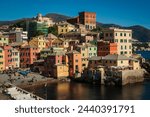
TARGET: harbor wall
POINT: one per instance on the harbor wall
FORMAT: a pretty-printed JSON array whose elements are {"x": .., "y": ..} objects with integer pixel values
[{"x": 132, "y": 76}]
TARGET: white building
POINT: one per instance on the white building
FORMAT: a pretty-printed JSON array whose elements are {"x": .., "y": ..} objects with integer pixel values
[{"x": 123, "y": 38}]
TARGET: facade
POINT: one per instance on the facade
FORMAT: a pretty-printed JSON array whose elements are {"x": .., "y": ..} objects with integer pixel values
[
  {"x": 39, "y": 42},
  {"x": 123, "y": 39},
  {"x": 3, "y": 40},
  {"x": 18, "y": 35},
  {"x": 15, "y": 58},
  {"x": 87, "y": 51},
  {"x": 64, "y": 27},
  {"x": 46, "y": 20},
  {"x": 2, "y": 59},
  {"x": 28, "y": 54},
  {"x": 74, "y": 61},
  {"x": 52, "y": 60},
  {"x": 105, "y": 48},
  {"x": 8, "y": 56},
  {"x": 46, "y": 52},
  {"x": 61, "y": 71},
  {"x": 86, "y": 18}
]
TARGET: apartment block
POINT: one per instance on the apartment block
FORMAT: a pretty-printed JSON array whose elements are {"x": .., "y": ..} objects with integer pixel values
[{"x": 122, "y": 37}]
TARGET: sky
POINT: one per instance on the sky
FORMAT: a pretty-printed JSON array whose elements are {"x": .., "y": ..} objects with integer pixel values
[{"x": 122, "y": 12}]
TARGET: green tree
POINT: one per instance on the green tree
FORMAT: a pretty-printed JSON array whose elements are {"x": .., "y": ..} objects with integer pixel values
[{"x": 53, "y": 30}]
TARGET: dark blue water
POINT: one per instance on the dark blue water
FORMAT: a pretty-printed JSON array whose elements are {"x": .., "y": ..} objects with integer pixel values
[{"x": 145, "y": 54}]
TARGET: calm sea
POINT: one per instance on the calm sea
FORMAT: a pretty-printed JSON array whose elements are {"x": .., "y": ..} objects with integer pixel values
[
  {"x": 145, "y": 54},
  {"x": 79, "y": 91}
]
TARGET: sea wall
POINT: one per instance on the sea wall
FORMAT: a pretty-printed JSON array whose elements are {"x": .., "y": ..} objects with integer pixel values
[{"x": 132, "y": 76}]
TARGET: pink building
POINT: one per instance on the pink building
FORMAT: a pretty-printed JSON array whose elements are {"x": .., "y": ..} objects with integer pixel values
[{"x": 28, "y": 54}]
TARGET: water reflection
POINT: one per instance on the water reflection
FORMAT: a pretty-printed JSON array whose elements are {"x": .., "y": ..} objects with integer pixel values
[{"x": 78, "y": 91}]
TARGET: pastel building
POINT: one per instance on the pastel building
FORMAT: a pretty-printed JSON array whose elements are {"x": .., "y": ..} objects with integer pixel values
[
  {"x": 3, "y": 40},
  {"x": 75, "y": 63},
  {"x": 8, "y": 56},
  {"x": 87, "y": 51},
  {"x": 2, "y": 59},
  {"x": 105, "y": 47},
  {"x": 39, "y": 42},
  {"x": 123, "y": 39},
  {"x": 15, "y": 58},
  {"x": 52, "y": 60},
  {"x": 28, "y": 54},
  {"x": 64, "y": 27}
]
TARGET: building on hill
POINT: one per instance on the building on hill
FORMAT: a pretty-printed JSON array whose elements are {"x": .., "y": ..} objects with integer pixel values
[
  {"x": 39, "y": 42},
  {"x": 122, "y": 37},
  {"x": 86, "y": 18},
  {"x": 3, "y": 40},
  {"x": 87, "y": 51},
  {"x": 17, "y": 35},
  {"x": 64, "y": 27}
]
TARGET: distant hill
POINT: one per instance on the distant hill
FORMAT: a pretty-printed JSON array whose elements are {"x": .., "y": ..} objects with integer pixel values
[
  {"x": 57, "y": 17},
  {"x": 139, "y": 32}
]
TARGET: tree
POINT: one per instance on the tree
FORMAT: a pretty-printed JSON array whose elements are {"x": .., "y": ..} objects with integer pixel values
[{"x": 53, "y": 30}]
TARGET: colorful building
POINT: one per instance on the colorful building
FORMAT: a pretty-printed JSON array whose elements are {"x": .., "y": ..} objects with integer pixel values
[
  {"x": 2, "y": 59},
  {"x": 15, "y": 58},
  {"x": 87, "y": 51},
  {"x": 123, "y": 39},
  {"x": 3, "y": 40},
  {"x": 39, "y": 42},
  {"x": 28, "y": 54},
  {"x": 52, "y": 60},
  {"x": 64, "y": 27},
  {"x": 61, "y": 71},
  {"x": 75, "y": 63},
  {"x": 105, "y": 47},
  {"x": 86, "y": 18},
  {"x": 8, "y": 57}
]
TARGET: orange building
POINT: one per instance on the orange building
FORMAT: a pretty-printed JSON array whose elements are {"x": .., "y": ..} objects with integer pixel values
[
  {"x": 28, "y": 55},
  {"x": 104, "y": 48},
  {"x": 86, "y": 18},
  {"x": 74, "y": 62}
]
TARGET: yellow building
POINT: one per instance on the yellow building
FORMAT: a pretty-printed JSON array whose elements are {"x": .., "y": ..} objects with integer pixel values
[
  {"x": 123, "y": 39},
  {"x": 2, "y": 60},
  {"x": 61, "y": 71},
  {"x": 64, "y": 27},
  {"x": 39, "y": 42},
  {"x": 3, "y": 40}
]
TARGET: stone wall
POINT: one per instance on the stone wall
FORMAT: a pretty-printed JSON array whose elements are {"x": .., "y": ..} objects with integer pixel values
[{"x": 132, "y": 76}]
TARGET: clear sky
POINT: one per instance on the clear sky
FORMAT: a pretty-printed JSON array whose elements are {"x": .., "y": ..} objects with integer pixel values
[{"x": 122, "y": 12}]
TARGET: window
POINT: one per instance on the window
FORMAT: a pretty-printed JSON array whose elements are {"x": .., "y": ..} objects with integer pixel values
[
  {"x": 130, "y": 47},
  {"x": 125, "y": 47},
  {"x": 58, "y": 61},
  {"x": 83, "y": 49},
  {"x": 125, "y": 34},
  {"x": 111, "y": 34},
  {"x": 82, "y": 54},
  {"x": 76, "y": 67},
  {"x": 125, "y": 52},
  {"x": 121, "y": 40},
  {"x": 76, "y": 61},
  {"x": 116, "y": 34},
  {"x": 90, "y": 49},
  {"x": 125, "y": 40},
  {"x": 120, "y": 34},
  {"x": 106, "y": 34},
  {"x": 121, "y": 47},
  {"x": 62, "y": 30},
  {"x": 116, "y": 40},
  {"x": 121, "y": 62},
  {"x": 121, "y": 52},
  {"x": 83, "y": 65},
  {"x": 129, "y": 35}
]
